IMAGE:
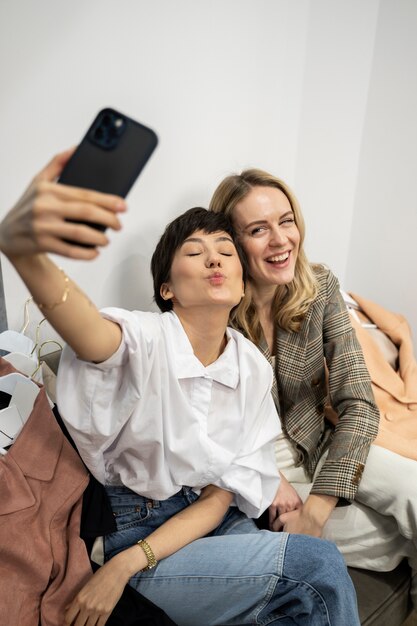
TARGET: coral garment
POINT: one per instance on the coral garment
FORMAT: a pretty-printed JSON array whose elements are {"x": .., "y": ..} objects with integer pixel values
[
  {"x": 395, "y": 390},
  {"x": 43, "y": 561}
]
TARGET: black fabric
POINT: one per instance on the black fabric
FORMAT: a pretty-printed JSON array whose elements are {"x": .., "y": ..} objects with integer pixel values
[
  {"x": 133, "y": 609},
  {"x": 4, "y": 403},
  {"x": 96, "y": 516},
  {"x": 97, "y": 519},
  {"x": 263, "y": 521},
  {"x": 4, "y": 399}
]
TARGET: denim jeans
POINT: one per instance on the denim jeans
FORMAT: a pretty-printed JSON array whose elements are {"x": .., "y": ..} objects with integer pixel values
[{"x": 238, "y": 574}]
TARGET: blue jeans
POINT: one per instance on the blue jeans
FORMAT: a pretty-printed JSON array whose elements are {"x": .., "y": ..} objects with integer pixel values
[{"x": 238, "y": 574}]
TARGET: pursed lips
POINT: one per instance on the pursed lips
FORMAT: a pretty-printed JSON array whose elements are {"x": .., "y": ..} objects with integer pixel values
[{"x": 216, "y": 278}]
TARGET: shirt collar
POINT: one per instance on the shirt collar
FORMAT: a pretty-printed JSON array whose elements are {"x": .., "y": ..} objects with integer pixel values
[{"x": 225, "y": 370}]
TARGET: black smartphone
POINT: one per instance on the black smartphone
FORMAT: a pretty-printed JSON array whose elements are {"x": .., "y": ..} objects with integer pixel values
[{"x": 111, "y": 155}]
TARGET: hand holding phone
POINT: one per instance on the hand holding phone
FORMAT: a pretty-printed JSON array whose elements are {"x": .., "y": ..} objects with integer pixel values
[
  {"x": 107, "y": 161},
  {"x": 111, "y": 155}
]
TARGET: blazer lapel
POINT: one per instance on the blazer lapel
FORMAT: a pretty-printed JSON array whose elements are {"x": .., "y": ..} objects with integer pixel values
[
  {"x": 293, "y": 346},
  {"x": 263, "y": 347}
]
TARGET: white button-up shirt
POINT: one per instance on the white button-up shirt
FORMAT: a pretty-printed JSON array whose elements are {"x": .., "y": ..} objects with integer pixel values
[{"x": 154, "y": 418}]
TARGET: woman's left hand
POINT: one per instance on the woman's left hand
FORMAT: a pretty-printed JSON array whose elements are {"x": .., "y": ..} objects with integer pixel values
[
  {"x": 56, "y": 218},
  {"x": 286, "y": 499},
  {"x": 93, "y": 605},
  {"x": 300, "y": 523},
  {"x": 311, "y": 518}
]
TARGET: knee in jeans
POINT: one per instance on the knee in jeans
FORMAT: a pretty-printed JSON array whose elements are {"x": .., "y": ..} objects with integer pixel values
[
  {"x": 323, "y": 558},
  {"x": 332, "y": 564},
  {"x": 330, "y": 554}
]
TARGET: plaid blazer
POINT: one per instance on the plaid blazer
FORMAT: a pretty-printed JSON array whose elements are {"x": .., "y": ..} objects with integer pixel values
[{"x": 305, "y": 385}]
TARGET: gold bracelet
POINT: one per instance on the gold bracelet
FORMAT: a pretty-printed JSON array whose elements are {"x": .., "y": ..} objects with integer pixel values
[
  {"x": 152, "y": 562},
  {"x": 51, "y": 307}
]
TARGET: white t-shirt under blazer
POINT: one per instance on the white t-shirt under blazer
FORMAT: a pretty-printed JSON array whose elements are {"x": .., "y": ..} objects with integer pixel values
[{"x": 154, "y": 419}]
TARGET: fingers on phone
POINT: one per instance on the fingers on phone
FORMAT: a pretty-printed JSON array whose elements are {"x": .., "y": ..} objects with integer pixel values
[
  {"x": 55, "y": 166},
  {"x": 85, "y": 212},
  {"x": 51, "y": 234},
  {"x": 63, "y": 219},
  {"x": 104, "y": 200},
  {"x": 79, "y": 253},
  {"x": 49, "y": 206},
  {"x": 67, "y": 249},
  {"x": 83, "y": 234}
]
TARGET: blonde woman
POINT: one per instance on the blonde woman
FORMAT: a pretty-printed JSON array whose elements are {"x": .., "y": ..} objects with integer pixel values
[{"x": 294, "y": 312}]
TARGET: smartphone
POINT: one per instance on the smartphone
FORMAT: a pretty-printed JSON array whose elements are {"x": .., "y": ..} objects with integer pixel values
[{"x": 111, "y": 155}]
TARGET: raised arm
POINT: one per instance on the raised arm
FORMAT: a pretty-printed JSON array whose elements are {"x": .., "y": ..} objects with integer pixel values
[{"x": 38, "y": 224}]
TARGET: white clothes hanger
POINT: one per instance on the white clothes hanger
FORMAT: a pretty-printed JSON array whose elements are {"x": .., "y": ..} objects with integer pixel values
[
  {"x": 23, "y": 356},
  {"x": 23, "y": 392},
  {"x": 37, "y": 373},
  {"x": 25, "y": 364},
  {"x": 349, "y": 301},
  {"x": 352, "y": 307},
  {"x": 14, "y": 341}
]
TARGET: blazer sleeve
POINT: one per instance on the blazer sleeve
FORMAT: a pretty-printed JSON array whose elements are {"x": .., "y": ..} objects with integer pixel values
[{"x": 351, "y": 396}]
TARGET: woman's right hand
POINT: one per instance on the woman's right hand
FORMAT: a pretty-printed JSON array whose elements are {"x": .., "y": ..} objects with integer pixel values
[
  {"x": 286, "y": 500},
  {"x": 37, "y": 223},
  {"x": 94, "y": 603}
]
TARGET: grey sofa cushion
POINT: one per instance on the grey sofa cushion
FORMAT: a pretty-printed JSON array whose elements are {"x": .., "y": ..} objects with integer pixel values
[{"x": 383, "y": 597}]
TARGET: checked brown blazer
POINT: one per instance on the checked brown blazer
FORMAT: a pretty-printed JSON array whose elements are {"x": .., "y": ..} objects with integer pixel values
[{"x": 325, "y": 343}]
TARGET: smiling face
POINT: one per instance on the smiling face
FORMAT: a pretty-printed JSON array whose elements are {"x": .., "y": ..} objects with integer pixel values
[
  {"x": 205, "y": 272},
  {"x": 269, "y": 235}
]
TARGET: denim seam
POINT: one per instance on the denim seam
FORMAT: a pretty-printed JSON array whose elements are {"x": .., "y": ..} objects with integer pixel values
[
  {"x": 153, "y": 576},
  {"x": 279, "y": 558},
  {"x": 325, "y": 613},
  {"x": 138, "y": 521}
]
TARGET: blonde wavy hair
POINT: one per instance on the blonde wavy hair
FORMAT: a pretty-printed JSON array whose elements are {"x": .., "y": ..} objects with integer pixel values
[{"x": 292, "y": 301}]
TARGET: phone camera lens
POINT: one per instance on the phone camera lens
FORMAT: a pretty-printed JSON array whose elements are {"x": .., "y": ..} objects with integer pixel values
[{"x": 108, "y": 129}]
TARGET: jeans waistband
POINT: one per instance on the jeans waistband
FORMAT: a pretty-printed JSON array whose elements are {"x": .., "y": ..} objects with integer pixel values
[{"x": 185, "y": 492}]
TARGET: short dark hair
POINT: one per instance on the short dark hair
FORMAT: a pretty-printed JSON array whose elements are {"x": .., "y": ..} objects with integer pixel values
[{"x": 174, "y": 236}]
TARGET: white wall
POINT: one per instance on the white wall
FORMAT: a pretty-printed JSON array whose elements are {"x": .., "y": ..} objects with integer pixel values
[
  {"x": 340, "y": 45},
  {"x": 219, "y": 81},
  {"x": 288, "y": 86},
  {"x": 382, "y": 256}
]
